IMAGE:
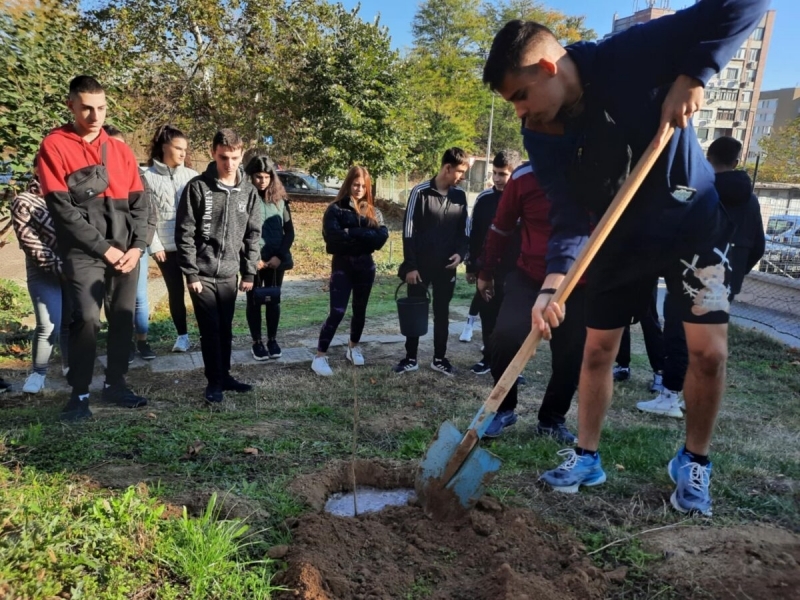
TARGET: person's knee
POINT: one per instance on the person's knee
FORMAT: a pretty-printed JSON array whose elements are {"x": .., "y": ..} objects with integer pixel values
[
  {"x": 709, "y": 357},
  {"x": 599, "y": 352}
]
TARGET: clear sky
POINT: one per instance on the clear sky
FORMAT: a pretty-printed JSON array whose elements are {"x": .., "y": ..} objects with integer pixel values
[{"x": 783, "y": 70}]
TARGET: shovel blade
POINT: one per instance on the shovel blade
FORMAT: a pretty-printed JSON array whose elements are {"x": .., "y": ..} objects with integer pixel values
[{"x": 469, "y": 483}]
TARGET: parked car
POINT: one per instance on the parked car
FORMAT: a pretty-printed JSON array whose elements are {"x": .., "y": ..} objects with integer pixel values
[
  {"x": 781, "y": 259},
  {"x": 303, "y": 184},
  {"x": 784, "y": 229}
]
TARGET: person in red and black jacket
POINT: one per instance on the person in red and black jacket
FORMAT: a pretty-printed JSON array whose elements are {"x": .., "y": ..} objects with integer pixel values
[
  {"x": 524, "y": 202},
  {"x": 483, "y": 213},
  {"x": 101, "y": 236}
]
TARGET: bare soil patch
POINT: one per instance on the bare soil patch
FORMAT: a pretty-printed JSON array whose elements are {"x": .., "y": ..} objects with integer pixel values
[
  {"x": 496, "y": 553},
  {"x": 751, "y": 562}
]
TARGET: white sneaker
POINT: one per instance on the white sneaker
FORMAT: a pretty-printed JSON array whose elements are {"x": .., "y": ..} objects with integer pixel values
[
  {"x": 182, "y": 343},
  {"x": 33, "y": 384},
  {"x": 466, "y": 333},
  {"x": 666, "y": 404},
  {"x": 354, "y": 356},
  {"x": 320, "y": 366},
  {"x": 65, "y": 371}
]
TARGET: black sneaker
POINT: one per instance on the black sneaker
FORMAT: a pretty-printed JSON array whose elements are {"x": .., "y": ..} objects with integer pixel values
[
  {"x": 481, "y": 368},
  {"x": 621, "y": 373},
  {"x": 559, "y": 433},
  {"x": 121, "y": 395},
  {"x": 213, "y": 394},
  {"x": 273, "y": 349},
  {"x": 229, "y": 384},
  {"x": 406, "y": 365},
  {"x": 443, "y": 366},
  {"x": 259, "y": 352},
  {"x": 145, "y": 351},
  {"x": 132, "y": 353},
  {"x": 4, "y": 386},
  {"x": 521, "y": 380},
  {"x": 76, "y": 409}
]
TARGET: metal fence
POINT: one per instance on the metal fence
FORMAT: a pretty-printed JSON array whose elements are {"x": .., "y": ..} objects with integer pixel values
[
  {"x": 780, "y": 211},
  {"x": 396, "y": 188}
]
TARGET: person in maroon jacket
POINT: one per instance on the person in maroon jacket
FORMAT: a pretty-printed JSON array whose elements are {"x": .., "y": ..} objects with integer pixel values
[
  {"x": 101, "y": 229},
  {"x": 524, "y": 202}
]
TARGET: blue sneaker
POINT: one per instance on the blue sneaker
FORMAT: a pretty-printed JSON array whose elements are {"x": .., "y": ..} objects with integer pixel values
[
  {"x": 501, "y": 420},
  {"x": 574, "y": 472},
  {"x": 692, "y": 480}
]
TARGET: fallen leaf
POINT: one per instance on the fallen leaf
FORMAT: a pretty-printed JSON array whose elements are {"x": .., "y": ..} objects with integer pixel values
[
  {"x": 620, "y": 467},
  {"x": 418, "y": 404},
  {"x": 372, "y": 380},
  {"x": 151, "y": 416},
  {"x": 193, "y": 450},
  {"x": 253, "y": 451},
  {"x": 52, "y": 556}
]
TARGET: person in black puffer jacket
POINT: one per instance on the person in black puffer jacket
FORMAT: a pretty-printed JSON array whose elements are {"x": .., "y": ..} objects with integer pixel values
[
  {"x": 353, "y": 229},
  {"x": 277, "y": 237}
]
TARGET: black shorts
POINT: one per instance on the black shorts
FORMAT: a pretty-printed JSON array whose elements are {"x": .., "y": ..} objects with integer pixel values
[{"x": 697, "y": 276}]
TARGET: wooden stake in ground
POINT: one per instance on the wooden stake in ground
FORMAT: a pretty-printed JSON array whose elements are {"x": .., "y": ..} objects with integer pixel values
[{"x": 355, "y": 442}]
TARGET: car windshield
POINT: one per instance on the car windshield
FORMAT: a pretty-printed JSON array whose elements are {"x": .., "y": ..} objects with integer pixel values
[
  {"x": 778, "y": 226},
  {"x": 311, "y": 181}
]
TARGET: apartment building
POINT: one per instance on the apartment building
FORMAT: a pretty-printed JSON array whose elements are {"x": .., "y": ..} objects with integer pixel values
[
  {"x": 732, "y": 95},
  {"x": 775, "y": 108}
]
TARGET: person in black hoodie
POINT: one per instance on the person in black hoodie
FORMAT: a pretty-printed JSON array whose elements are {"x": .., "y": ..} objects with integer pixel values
[
  {"x": 735, "y": 191},
  {"x": 353, "y": 229},
  {"x": 483, "y": 214},
  {"x": 434, "y": 244},
  {"x": 277, "y": 236},
  {"x": 216, "y": 232}
]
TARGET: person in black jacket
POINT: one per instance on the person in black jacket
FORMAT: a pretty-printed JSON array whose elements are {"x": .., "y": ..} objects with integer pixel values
[
  {"x": 216, "y": 232},
  {"x": 353, "y": 229},
  {"x": 735, "y": 191},
  {"x": 483, "y": 214},
  {"x": 277, "y": 236},
  {"x": 434, "y": 244}
]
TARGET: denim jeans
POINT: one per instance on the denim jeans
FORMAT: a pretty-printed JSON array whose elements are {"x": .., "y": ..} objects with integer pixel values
[
  {"x": 51, "y": 307},
  {"x": 141, "y": 316}
]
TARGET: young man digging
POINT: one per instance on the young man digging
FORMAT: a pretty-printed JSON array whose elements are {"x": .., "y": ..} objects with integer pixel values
[
  {"x": 483, "y": 214},
  {"x": 434, "y": 244},
  {"x": 92, "y": 188},
  {"x": 589, "y": 113},
  {"x": 217, "y": 229}
]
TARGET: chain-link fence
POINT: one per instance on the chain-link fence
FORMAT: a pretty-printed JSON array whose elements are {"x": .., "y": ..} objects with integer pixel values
[{"x": 780, "y": 211}]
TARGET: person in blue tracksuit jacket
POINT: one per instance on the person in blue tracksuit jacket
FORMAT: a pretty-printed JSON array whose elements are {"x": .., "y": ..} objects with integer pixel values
[{"x": 589, "y": 112}]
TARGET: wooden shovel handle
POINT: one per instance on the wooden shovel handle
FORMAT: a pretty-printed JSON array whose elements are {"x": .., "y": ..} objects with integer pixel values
[{"x": 587, "y": 254}]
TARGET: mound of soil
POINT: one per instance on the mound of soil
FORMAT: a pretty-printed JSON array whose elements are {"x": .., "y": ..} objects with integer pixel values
[
  {"x": 494, "y": 554},
  {"x": 752, "y": 562}
]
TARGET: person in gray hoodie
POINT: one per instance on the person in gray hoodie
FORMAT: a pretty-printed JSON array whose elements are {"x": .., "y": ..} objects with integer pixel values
[
  {"x": 217, "y": 229},
  {"x": 167, "y": 176}
]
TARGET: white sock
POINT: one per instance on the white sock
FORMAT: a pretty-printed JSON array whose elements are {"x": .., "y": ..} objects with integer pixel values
[
  {"x": 83, "y": 397},
  {"x": 471, "y": 319}
]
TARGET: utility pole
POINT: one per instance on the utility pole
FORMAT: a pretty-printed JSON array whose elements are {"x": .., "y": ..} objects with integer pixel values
[{"x": 489, "y": 141}]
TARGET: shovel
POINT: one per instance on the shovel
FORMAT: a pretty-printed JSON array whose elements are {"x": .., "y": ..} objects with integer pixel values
[{"x": 454, "y": 473}]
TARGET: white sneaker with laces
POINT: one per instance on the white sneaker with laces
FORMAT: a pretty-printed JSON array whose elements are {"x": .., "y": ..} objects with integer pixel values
[
  {"x": 181, "y": 344},
  {"x": 666, "y": 404},
  {"x": 354, "y": 356},
  {"x": 320, "y": 366},
  {"x": 33, "y": 384},
  {"x": 466, "y": 333}
]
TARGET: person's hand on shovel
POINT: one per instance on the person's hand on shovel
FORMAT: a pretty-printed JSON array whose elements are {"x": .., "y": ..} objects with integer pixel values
[
  {"x": 685, "y": 98},
  {"x": 546, "y": 314}
]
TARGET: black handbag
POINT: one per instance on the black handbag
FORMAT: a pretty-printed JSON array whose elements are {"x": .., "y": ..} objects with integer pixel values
[
  {"x": 88, "y": 182},
  {"x": 264, "y": 295}
]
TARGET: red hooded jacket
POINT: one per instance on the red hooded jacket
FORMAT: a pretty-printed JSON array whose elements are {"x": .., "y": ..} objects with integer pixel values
[{"x": 117, "y": 217}]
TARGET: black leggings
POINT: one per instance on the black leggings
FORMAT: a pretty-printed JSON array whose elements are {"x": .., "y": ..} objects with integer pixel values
[
  {"x": 173, "y": 279},
  {"x": 354, "y": 274},
  {"x": 265, "y": 277}
]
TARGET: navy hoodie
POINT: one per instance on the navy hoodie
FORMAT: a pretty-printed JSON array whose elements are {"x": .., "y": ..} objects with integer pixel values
[
  {"x": 625, "y": 80},
  {"x": 747, "y": 246}
]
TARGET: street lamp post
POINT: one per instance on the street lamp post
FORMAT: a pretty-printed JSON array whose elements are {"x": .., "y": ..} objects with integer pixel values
[{"x": 489, "y": 141}]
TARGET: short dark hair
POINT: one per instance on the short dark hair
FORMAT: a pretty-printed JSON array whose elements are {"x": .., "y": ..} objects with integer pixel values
[
  {"x": 228, "y": 138},
  {"x": 112, "y": 131},
  {"x": 508, "y": 47},
  {"x": 725, "y": 150},
  {"x": 506, "y": 158},
  {"x": 454, "y": 156},
  {"x": 84, "y": 84}
]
